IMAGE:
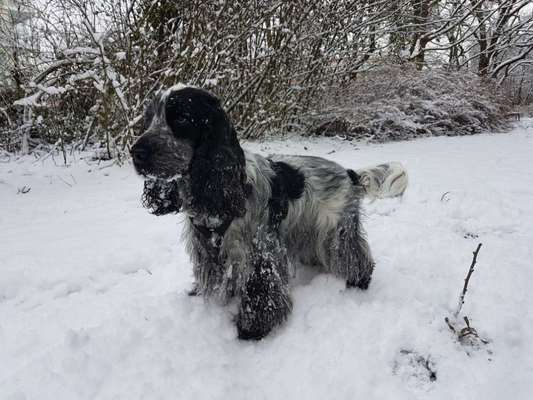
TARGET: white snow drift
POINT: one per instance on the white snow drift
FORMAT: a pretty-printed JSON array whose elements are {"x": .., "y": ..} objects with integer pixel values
[{"x": 93, "y": 300}]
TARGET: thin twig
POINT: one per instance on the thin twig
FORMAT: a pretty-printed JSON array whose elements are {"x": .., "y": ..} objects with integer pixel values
[
  {"x": 452, "y": 328},
  {"x": 64, "y": 181},
  {"x": 50, "y": 153},
  {"x": 467, "y": 279},
  {"x": 107, "y": 166}
]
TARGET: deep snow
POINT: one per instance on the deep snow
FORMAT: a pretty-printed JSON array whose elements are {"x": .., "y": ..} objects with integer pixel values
[{"x": 93, "y": 297}]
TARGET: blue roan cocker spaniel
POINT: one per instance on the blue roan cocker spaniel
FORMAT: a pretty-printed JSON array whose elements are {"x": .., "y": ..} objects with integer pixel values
[{"x": 249, "y": 219}]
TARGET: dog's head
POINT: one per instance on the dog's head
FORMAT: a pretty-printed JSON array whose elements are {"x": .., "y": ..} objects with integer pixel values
[
  {"x": 189, "y": 136},
  {"x": 177, "y": 122}
]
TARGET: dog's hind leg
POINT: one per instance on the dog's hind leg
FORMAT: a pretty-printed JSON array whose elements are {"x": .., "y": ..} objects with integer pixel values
[
  {"x": 265, "y": 300},
  {"x": 351, "y": 258}
]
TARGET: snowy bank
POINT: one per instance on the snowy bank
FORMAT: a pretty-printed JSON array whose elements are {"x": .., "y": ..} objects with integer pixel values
[{"x": 94, "y": 306}]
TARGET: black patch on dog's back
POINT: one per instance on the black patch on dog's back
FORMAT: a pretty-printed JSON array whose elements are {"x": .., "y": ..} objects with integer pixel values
[
  {"x": 354, "y": 177},
  {"x": 287, "y": 184}
]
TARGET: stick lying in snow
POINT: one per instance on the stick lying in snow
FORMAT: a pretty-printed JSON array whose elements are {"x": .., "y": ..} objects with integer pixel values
[
  {"x": 384, "y": 180},
  {"x": 467, "y": 335},
  {"x": 467, "y": 280}
]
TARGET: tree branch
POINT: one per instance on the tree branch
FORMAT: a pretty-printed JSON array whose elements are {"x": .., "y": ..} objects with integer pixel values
[{"x": 467, "y": 280}]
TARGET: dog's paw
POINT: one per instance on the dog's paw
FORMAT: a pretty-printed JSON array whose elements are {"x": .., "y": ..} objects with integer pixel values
[
  {"x": 194, "y": 291},
  {"x": 361, "y": 283},
  {"x": 251, "y": 334},
  {"x": 254, "y": 322},
  {"x": 253, "y": 325},
  {"x": 265, "y": 303}
]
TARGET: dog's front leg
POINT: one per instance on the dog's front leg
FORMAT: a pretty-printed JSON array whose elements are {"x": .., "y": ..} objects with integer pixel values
[
  {"x": 265, "y": 303},
  {"x": 265, "y": 300}
]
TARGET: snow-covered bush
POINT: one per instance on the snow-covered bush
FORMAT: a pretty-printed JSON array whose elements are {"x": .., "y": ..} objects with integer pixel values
[
  {"x": 9, "y": 141},
  {"x": 400, "y": 102},
  {"x": 265, "y": 60},
  {"x": 277, "y": 66}
]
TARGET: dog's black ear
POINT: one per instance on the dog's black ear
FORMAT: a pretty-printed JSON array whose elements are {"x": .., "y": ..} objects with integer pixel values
[{"x": 218, "y": 177}]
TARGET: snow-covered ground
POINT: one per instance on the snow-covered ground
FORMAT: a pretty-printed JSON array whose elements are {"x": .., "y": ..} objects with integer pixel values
[{"x": 93, "y": 300}]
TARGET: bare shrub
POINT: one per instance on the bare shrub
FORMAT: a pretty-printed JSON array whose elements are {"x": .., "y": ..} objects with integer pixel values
[
  {"x": 85, "y": 70},
  {"x": 399, "y": 102}
]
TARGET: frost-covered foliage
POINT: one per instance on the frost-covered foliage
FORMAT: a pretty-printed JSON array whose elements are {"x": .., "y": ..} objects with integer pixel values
[
  {"x": 90, "y": 67},
  {"x": 266, "y": 59},
  {"x": 398, "y": 103}
]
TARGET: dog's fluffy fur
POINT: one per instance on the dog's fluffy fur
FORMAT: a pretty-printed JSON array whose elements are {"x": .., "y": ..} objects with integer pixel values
[
  {"x": 250, "y": 219},
  {"x": 383, "y": 180}
]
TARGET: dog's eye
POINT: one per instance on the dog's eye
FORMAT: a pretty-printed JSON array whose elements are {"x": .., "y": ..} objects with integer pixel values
[{"x": 181, "y": 120}]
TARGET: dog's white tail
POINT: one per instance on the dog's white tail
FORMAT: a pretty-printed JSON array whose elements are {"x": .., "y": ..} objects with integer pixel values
[{"x": 384, "y": 180}]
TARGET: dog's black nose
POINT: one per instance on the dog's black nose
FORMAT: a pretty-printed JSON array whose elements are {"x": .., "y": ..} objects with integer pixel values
[{"x": 139, "y": 153}]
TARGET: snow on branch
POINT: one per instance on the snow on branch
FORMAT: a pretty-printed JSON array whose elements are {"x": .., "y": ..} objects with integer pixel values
[
  {"x": 467, "y": 280},
  {"x": 274, "y": 66}
]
